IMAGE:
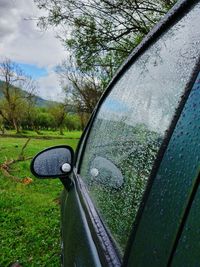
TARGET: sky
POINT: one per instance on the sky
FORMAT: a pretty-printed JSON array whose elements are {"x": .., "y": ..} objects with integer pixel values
[{"x": 37, "y": 52}]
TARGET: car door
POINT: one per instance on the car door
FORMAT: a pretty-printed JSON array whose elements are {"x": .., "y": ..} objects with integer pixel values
[
  {"x": 187, "y": 243},
  {"x": 125, "y": 205}
]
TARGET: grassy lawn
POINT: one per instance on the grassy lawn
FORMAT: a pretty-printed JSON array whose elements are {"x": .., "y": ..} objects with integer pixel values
[
  {"x": 45, "y": 134},
  {"x": 29, "y": 213}
]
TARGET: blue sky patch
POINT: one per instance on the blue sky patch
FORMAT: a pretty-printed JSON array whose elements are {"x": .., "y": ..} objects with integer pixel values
[
  {"x": 33, "y": 70},
  {"x": 115, "y": 105}
]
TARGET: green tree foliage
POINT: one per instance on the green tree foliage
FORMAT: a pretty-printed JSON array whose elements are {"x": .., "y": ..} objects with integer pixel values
[
  {"x": 99, "y": 34},
  {"x": 2, "y": 126},
  {"x": 41, "y": 120},
  {"x": 14, "y": 111},
  {"x": 73, "y": 122},
  {"x": 102, "y": 32},
  {"x": 54, "y": 117},
  {"x": 58, "y": 113},
  {"x": 15, "y": 102}
]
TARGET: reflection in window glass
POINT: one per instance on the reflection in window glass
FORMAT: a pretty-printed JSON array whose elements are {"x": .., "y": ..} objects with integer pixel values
[{"x": 131, "y": 124}]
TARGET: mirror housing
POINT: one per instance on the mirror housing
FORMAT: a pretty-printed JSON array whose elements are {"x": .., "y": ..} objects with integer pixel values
[{"x": 53, "y": 162}]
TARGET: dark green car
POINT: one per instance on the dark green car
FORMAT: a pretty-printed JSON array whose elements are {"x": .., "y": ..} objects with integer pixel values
[{"x": 132, "y": 195}]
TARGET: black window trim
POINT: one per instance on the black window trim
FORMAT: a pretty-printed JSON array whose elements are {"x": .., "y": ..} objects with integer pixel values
[
  {"x": 173, "y": 16},
  {"x": 106, "y": 248}
]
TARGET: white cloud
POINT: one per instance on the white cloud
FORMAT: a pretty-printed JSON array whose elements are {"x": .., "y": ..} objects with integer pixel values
[
  {"x": 49, "y": 87},
  {"x": 22, "y": 41}
]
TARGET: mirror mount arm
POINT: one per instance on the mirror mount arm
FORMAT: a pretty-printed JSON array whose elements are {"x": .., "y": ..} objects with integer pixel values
[{"x": 67, "y": 183}]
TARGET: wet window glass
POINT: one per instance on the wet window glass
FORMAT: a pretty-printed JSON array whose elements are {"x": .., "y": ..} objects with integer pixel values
[{"x": 132, "y": 122}]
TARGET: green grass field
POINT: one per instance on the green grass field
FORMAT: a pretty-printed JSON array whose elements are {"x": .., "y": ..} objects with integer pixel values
[
  {"x": 45, "y": 134},
  {"x": 29, "y": 213}
]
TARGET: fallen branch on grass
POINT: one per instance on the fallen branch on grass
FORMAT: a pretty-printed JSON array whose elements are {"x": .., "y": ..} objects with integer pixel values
[
  {"x": 21, "y": 154},
  {"x": 6, "y": 165},
  {"x": 4, "y": 169}
]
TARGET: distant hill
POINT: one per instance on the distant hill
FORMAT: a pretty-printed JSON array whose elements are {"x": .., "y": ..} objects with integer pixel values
[{"x": 40, "y": 102}]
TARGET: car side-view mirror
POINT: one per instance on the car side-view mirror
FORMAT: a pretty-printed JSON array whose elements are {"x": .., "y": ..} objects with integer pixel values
[{"x": 53, "y": 162}]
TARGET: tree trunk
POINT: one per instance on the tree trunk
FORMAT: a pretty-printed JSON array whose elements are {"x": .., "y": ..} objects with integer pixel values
[
  {"x": 61, "y": 131},
  {"x": 16, "y": 126},
  {"x": 2, "y": 129}
]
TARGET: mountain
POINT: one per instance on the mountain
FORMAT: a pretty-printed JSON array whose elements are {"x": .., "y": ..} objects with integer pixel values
[{"x": 40, "y": 102}]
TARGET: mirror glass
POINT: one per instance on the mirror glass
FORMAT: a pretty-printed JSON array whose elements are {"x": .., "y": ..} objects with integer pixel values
[{"x": 48, "y": 163}]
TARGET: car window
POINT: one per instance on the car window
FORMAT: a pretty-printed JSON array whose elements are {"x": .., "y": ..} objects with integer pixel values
[{"x": 132, "y": 122}]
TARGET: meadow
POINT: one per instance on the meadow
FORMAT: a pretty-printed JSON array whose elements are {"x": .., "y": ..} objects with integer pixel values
[
  {"x": 29, "y": 212},
  {"x": 44, "y": 134}
]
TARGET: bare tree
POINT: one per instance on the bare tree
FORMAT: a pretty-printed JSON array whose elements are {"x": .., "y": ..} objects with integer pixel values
[
  {"x": 82, "y": 88},
  {"x": 15, "y": 101}
]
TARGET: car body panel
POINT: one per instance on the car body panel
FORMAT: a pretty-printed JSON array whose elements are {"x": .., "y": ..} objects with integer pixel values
[
  {"x": 78, "y": 244},
  {"x": 187, "y": 252}
]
